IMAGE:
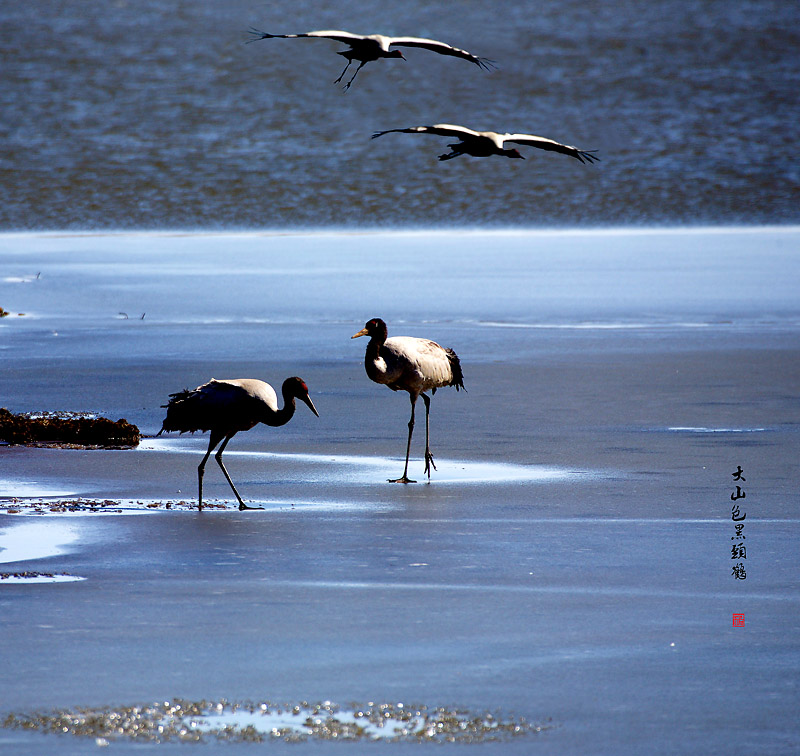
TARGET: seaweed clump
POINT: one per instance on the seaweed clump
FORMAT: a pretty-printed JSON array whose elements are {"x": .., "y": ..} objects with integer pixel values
[{"x": 67, "y": 429}]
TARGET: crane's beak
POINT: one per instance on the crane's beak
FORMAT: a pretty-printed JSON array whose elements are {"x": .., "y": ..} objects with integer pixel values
[
  {"x": 362, "y": 332},
  {"x": 307, "y": 400}
]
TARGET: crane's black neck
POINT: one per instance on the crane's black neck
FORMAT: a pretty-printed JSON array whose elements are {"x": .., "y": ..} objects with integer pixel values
[
  {"x": 283, "y": 415},
  {"x": 378, "y": 334}
]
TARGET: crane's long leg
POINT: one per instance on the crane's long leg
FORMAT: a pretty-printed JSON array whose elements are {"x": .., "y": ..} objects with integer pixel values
[
  {"x": 218, "y": 457},
  {"x": 405, "y": 478},
  {"x": 428, "y": 455},
  {"x": 336, "y": 81},
  {"x": 347, "y": 86},
  {"x": 212, "y": 442}
]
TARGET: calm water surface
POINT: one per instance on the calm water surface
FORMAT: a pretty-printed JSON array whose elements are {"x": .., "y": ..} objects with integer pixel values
[{"x": 156, "y": 115}]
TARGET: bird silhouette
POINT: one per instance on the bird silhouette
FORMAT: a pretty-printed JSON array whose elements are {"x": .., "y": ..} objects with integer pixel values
[
  {"x": 487, "y": 143},
  {"x": 414, "y": 365},
  {"x": 226, "y": 407},
  {"x": 366, "y": 48}
]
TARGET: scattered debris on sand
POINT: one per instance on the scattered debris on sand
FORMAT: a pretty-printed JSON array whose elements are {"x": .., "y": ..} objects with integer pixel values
[
  {"x": 30, "y": 574},
  {"x": 59, "y": 505},
  {"x": 201, "y": 721}
]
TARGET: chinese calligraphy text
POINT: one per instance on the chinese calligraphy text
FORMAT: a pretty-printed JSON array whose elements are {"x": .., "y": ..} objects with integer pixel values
[{"x": 738, "y": 550}]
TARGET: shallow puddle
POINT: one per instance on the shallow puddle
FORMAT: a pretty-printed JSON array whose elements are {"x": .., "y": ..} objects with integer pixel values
[
  {"x": 693, "y": 429},
  {"x": 10, "y": 489},
  {"x": 36, "y": 539},
  {"x": 357, "y": 469}
]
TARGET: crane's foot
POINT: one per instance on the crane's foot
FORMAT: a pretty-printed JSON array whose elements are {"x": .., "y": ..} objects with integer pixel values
[
  {"x": 429, "y": 464},
  {"x": 243, "y": 506},
  {"x": 404, "y": 479}
]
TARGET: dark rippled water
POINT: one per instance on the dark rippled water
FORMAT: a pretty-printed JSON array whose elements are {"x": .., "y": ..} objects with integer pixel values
[{"x": 155, "y": 114}]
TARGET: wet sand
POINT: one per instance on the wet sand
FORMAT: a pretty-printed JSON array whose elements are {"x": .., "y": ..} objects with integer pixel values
[{"x": 570, "y": 561}]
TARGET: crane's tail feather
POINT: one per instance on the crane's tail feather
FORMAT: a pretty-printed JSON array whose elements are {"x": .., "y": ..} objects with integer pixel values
[
  {"x": 455, "y": 367},
  {"x": 587, "y": 156},
  {"x": 180, "y": 413},
  {"x": 258, "y": 34}
]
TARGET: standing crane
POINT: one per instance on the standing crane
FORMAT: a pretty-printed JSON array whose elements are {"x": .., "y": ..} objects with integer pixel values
[
  {"x": 487, "y": 143},
  {"x": 414, "y": 365},
  {"x": 366, "y": 48},
  {"x": 226, "y": 407}
]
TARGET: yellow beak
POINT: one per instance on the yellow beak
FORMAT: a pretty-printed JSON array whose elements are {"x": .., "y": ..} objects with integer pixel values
[{"x": 362, "y": 332}]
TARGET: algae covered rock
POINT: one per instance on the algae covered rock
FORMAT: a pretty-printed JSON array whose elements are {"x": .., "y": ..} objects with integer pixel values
[{"x": 66, "y": 429}]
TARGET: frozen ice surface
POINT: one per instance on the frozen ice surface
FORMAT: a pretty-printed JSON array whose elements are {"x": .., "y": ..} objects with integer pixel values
[{"x": 570, "y": 560}]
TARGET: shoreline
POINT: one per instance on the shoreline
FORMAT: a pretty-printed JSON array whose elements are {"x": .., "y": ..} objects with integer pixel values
[{"x": 789, "y": 228}]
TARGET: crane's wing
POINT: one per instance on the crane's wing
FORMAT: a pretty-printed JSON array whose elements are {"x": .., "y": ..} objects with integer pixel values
[
  {"x": 440, "y": 129},
  {"x": 230, "y": 405},
  {"x": 339, "y": 36},
  {"x": 548, "y": 144},
  {"x": 442, "y": 49}
]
